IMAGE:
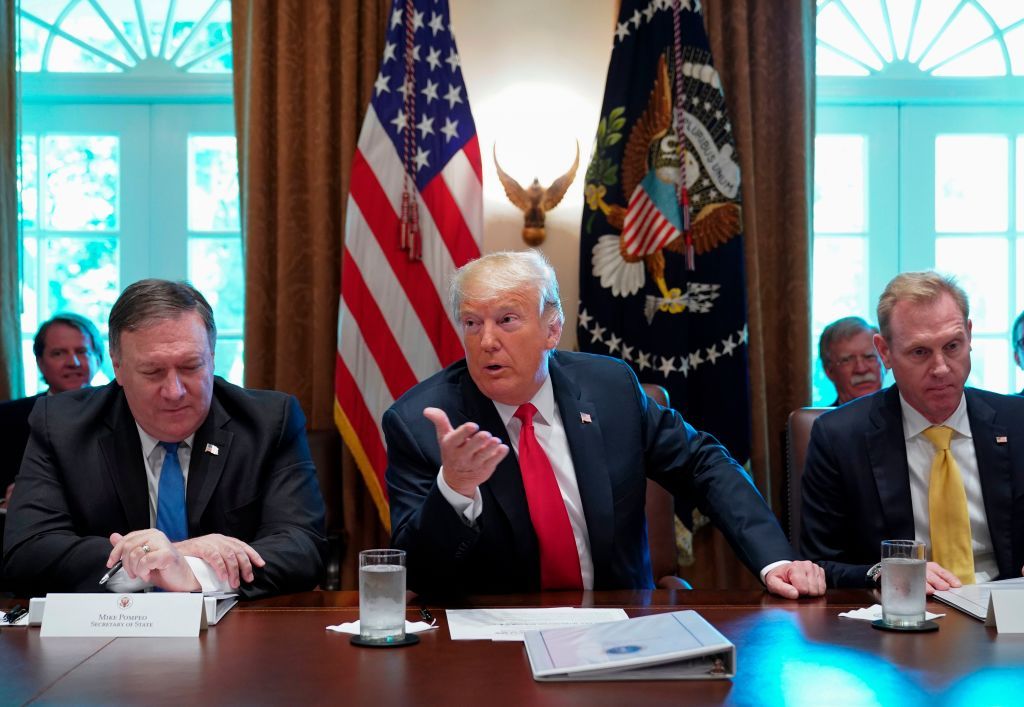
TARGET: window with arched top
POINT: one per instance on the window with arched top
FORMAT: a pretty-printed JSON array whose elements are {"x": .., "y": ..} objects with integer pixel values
[
  {"x": 919, "y": 163},
  {"x": 128, "y": 161},
  {"x": 153, "y": 37}
]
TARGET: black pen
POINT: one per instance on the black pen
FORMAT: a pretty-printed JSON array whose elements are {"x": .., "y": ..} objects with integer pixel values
[
  {"x": 111, "y": 572},
  {"x": 425, "y": 614}
]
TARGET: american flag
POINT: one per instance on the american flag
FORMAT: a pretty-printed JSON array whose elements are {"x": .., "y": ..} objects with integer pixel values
[{"x": 414, "y": 214}]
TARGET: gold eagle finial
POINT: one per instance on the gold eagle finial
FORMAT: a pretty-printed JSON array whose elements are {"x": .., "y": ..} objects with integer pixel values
[{"x": 535, "y": 200}]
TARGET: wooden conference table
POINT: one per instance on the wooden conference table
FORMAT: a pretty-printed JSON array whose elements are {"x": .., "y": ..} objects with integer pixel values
[{"x": 277, "y": 652}]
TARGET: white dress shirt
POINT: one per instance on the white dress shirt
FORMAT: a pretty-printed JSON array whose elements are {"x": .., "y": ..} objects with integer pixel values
[
  {"x": 550, "y": 433},
  {"x": 153, "y": 455},
  {"x": 547, "y": 426},
  {"x": 920, "y": 454}
]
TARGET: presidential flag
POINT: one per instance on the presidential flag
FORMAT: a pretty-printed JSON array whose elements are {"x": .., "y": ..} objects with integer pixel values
[
  {"x": 414, "y": 214},
  {"x": 661, "y": 255}
]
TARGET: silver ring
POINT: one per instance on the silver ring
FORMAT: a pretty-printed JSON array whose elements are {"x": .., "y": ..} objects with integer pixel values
[{"x": 146, "y": 548}]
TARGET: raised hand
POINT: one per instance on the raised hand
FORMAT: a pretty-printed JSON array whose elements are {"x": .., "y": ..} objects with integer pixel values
[{"x": 468, "y": 455}]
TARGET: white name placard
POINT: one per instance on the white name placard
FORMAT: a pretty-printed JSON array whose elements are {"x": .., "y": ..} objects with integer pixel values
[
  {"x": 153, "y": 614},
  {"x": 1006, "y": 610}
]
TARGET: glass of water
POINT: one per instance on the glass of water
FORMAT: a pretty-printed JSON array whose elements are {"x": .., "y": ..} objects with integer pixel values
[
  {"x": 382, "y": 595},
  {"x": 903, "y": 582}
]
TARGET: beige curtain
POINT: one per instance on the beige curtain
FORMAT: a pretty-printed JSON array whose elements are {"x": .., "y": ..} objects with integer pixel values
[
  {"x": 765, "y": 55},
  {"x": 10, "y": 324},
  {"x": 304, "y": 72}
]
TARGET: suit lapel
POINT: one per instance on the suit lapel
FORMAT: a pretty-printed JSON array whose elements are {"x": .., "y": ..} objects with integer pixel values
[
  {"x": 209, "y": 456},
  {"x": 122, "y": 453},
  {"x": 887, "y": 450},
  {"x": 994, "y": 472},
  {"x": 505, "y": 486},
  {"x": 585, "y": 446}
]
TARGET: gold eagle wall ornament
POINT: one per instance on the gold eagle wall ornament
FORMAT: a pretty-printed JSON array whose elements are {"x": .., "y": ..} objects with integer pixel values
[{"x": 535, "y": 200}]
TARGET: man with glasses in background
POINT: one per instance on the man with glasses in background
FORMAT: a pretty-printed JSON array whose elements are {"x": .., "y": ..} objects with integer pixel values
[{"x": 849, "y": 358}]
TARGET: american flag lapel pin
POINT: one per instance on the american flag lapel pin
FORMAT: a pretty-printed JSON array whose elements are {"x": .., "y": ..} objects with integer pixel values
[
  {"x": 212, "y": 449},
  {"x": 1001, "y": 439},
  {"x": 585, "y": 418}
]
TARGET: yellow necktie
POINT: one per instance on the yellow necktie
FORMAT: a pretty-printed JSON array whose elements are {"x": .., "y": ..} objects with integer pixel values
[{"x": 947, "y": 509}]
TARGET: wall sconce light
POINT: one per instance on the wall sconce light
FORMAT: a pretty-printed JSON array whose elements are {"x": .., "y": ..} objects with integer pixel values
[{"x": 534, "y": 201}]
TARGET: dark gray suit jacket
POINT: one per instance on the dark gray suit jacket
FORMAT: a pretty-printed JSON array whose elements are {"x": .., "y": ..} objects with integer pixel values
[
  {"x": 627, "y": 440},
  {"x": 14, "y": 436},
  {"x": 84, "y": 478},
  {"x": 856, "y": 483}
]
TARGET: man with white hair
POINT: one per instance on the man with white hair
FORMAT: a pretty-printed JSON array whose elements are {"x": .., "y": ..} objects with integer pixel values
[{"x": 567, "y": 510}]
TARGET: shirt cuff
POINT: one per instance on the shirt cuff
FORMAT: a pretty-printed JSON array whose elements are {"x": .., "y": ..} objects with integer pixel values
[
  {"x": 768, "y": 568},
  {"x": 208, "y": 579},
  {"x": 469, "y": 508},
  {"x": 209, "y": 582},
  {"x": 121, "y": 583}
]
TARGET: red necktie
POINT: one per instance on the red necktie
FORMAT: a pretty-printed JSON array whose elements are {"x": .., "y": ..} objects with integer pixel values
[{"x": 559, "y": 561}]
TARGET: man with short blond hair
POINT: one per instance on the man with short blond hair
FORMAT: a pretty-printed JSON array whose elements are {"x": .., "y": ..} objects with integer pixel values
[
  {"x": 566, "y": 510},
  {"x": 926, "y": 458}
]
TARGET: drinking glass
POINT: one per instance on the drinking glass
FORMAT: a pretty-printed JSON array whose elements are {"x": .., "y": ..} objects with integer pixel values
[
  {"x": 382, "y": 595},
  {"x": 903, "y": 582}
]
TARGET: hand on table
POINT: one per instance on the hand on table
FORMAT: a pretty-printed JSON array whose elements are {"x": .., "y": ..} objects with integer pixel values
[
  {"x": 150, "y": 556},
  {"x": 229, "y": 557},
  {"x": 939, "y": 579},
  {"x": 468, "y": 455},
  {"x": 796, "y": 579}
]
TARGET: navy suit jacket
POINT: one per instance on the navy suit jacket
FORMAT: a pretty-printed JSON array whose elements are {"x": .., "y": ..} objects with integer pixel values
[
  {"x": 13, "y": 436},
  {"x": 627, "y": 440},
  {"x": 856, "y": 483},
  {"x": 84, "y": 478}
]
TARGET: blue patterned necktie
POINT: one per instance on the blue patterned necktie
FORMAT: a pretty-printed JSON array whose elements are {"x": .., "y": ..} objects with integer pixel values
[{"x": 170, "y": 507}]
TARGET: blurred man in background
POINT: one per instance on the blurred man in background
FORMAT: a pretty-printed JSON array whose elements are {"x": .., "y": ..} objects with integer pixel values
[
  {"x": 68, "y": 354},
  {"x": 849, "y": 358}
]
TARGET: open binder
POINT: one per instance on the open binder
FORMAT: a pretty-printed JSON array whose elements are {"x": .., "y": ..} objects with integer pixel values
[{"x": 677, "y": 646}]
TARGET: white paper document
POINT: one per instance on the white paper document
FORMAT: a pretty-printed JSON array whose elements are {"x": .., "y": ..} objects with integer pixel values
[
  {"x": 677, "y": 646},
  {"x": 973, "y": 599},
  {"x": 511, "y": 624}
]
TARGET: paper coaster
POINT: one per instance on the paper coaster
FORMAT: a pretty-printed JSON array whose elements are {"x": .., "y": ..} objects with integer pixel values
[
  {"x": 410, "y": 639},
  {"x": 922, "y": 627}
]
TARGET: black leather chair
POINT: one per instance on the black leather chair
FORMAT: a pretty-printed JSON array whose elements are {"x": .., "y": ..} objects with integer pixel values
[
  {"x": 798, "y": 436},
  {"x": 661, "y": 520},
  {"x": 325, "y": 448}
]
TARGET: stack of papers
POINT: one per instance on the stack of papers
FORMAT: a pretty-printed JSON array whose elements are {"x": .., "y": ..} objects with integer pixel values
[
  {"x": 973, "y": 599},
  {"x": 511, "y": 624}
]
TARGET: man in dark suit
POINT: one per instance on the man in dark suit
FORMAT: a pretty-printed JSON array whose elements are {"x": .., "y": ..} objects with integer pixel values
[
  {"x": 68, "y": 354},
  {"x": 191, "y": 482},
  {"x": 567, "y": 511},
  {"x": 873, "y": 468}
]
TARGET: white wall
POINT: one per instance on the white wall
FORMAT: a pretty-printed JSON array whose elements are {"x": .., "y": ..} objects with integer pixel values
[{"x": 535, "y": 73}]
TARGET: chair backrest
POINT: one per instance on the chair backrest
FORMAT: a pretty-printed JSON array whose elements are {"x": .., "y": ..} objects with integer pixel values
[
  {"x": 798, "y": 435},
  {"x": 325, "y": 449},
  {"x": 660, "y": 509}
]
